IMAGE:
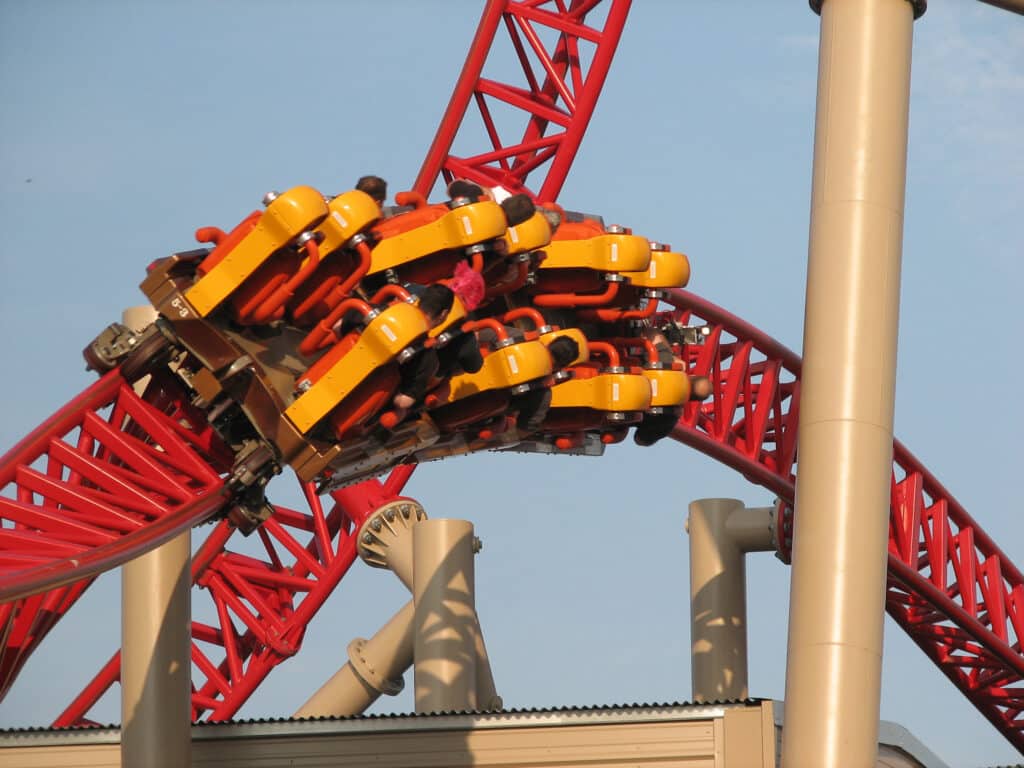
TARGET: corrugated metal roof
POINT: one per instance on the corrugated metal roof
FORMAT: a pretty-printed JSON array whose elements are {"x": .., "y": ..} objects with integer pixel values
[
  {"x": 266, "y": 726},
  {"x": 396, "y": 722},
  {"x": 567, "y": 709}
]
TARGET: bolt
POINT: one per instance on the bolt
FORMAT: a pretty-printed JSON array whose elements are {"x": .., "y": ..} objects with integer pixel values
[
  {"x": 367, "y": 538},
  {"x": 270, "y": 197},
  {"x": 376, "y": 524},
  {"x": 477, "y": 544},
  {"x": 405, "y": 509},
  {"x": 389, "y": 515}
]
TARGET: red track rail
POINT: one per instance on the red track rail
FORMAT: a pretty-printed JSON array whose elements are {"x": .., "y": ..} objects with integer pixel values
[
  {"x": 263, "y": 605},
  {"x": 103, "y": 480},
  {"x": 560, "y": 94},
  {"x": 950, "y": 586}
]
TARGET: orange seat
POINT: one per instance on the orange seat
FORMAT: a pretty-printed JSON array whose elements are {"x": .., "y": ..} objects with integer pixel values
[
  {"x": 311, "y": 302},
  {"x": 240, "y": 259},
  {"x": 425, "y": 244},
  {"x": 225, "y": 243},
  {"x": 261, "y": 284},
  {"x": 366, "y": 400},
  {"x": 471, "y": 410}
]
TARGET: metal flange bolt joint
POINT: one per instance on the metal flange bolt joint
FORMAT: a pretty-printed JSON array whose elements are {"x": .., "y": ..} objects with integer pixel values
[
  {"x": 370, "y": 676},
  {"x": 919, "y": 6},
  {"x": 384, "y": 526}
]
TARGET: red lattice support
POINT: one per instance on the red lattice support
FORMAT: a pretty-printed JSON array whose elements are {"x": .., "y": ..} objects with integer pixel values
[
  {"x": 263, "y": 604},
  {"x": 957, "y": 595},
  {"x": 106, "y": 478},
  {"x": 555, "y": 98},
  {"x": 950, "y": 586}
]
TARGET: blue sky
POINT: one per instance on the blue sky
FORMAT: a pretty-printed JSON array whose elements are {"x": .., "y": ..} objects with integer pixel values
[{"x": 124, "y": 126}]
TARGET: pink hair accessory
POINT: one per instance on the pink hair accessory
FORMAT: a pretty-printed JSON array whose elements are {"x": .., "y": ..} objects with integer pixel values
[{"x": 468, "y": 285}]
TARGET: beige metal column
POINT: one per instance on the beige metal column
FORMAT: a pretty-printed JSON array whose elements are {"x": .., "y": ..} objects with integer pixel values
[
  {"x": 721, "y": 532},
  {"x": 487, "y": 698},
  {"x": 375, "y": 667},
  {"x": 445, "y": 621},
  {"x": 847, "y": 388},
  {"x": 156, "y": 616},
  {"x": 155, "y": 661}
]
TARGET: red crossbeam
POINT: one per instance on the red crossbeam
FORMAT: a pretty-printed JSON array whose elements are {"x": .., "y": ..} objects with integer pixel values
[
  {"x": 264, "y": 604},
  {"x": 106, "y": 478},
  {"x": 950, "y": 586},
  {"x": 551, "y": 105},
  {"x": 957, "y": 595}
]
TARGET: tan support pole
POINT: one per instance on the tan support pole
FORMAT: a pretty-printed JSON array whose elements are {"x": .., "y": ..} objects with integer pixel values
[
  {"x": 137, "y": 319},
  {"x": 155, "y": 661},
  {"x": 833, "y": 671},
  {"x": 385, "y": 541},
  {"x": 445, "y": 623},
  {"x": 487, "y": 698},
  {"x": 375, "y": 666},
  {"x": 156, "y": 707},
  {"x": 721, "y": 532}
]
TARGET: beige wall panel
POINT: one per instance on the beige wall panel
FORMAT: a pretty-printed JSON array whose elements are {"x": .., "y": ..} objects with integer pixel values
[
  {"x": 656, "y": 744},
  {"x": 730, "y": 737},
  {"x": 742, "y": 741},
  {"x": 98, "y": 756}
]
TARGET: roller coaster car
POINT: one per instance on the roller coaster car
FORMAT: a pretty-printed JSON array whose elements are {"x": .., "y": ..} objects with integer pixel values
[
  {"x": 318, "y": 275},
  {"x": 351, "y": 462},
  {"x": 237, "y": 256},
  {"x": 638, "y": 297},
  {"x": 532, "y": 234},
  {"x": 446, "y": 232},
  {"x": 511, "y": 369},
  {"x": 670, "y": 387},
  {"x": 597, "y": 399},
  {"x": 344, "y": 257},
  {"x": 667, "y": 269},
  {"x": 670, "y": 384},
  {"x": 522, "y": 249},
  {"x": 357, "y": 414},
  {"x": 613, "y": 391},
  {"x": 484, "y": 412},
  {"x": 587, "y": 245},
  {"x": 584, "y": 264},
  {"x": 388, "y": 337}
]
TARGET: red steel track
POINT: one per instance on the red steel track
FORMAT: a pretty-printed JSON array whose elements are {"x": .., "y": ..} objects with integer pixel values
[
  {"x": 950, "y": 586},
  {"x": 105, "y": 479},
  {"x": 85, "y": 492},
  {"x": 263, "y": 605},
  {"x": 563, "y": 81}
]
